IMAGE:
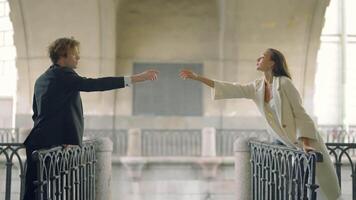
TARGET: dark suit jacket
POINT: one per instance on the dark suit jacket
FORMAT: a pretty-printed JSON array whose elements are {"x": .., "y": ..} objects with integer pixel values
[{"x": 57, "y": 106}]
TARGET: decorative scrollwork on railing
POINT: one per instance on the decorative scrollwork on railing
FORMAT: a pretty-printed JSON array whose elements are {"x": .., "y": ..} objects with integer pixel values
[
  {"x": 10, "y": 154},
  {"x": 66, "y": 173},
  {"x": 279, "y": 172}
]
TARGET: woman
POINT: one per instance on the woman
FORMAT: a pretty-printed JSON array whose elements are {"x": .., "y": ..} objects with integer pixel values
[{"x": 279, "y": 102}]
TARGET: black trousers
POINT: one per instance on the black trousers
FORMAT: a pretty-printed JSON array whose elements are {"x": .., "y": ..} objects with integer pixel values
[{"x": 30, "y": 175}]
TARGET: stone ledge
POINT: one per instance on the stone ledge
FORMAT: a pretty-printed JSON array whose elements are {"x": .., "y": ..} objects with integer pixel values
[
  {"x": 209, "y": 165},
  {"x": 173, "y": 160}
]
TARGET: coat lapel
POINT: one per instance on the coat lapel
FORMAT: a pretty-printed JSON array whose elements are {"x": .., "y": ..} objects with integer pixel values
[{"x": 277, "y": 98}]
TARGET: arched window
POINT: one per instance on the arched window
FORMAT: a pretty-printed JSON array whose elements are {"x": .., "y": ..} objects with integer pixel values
[
  {"x": 8, "y": 73},
  {"x": 335, "y": 96}
]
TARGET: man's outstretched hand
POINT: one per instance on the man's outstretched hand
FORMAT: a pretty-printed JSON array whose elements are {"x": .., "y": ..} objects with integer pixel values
[{"x": 148, "y": 75}]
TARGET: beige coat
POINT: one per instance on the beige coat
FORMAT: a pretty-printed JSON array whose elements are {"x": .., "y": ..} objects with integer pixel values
[{"x": 293, "y": 122}]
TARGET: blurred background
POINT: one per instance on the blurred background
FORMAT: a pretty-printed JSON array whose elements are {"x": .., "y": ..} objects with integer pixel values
[{"x": 219, "y": 39}]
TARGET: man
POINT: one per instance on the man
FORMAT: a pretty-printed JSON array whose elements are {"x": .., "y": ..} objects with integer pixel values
[{"x": 57, "y": 105}]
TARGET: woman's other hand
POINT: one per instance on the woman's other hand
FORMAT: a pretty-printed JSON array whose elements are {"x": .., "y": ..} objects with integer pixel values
[{"x": 306, "y": 145}]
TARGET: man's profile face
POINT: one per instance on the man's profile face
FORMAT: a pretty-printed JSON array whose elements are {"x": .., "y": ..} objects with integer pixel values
[{"x": 72, "y": 58}]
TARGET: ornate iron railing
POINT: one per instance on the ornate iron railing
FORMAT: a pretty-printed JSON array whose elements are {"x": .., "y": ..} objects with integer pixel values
[
  {"x": 12, "y": 157},
  {"x": 66, "y": 173},
  {"x": 279, "y": 172},
  {"x": 341, "y": 153}
]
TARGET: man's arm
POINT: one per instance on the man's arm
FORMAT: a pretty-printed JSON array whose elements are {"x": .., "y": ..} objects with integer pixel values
[{"x": 72, "y": 80}]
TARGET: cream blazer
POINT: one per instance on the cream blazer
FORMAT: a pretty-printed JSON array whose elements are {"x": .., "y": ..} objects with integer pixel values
[
  {"x": 293, "y": 123},
  {"x": 293, "y": 120}
]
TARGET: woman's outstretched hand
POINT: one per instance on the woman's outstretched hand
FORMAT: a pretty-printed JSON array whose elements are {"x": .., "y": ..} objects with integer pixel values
[{"x": 187, "y": 74}]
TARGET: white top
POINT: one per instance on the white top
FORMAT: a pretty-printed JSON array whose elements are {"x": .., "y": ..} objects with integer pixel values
[
  {"x": 272, "y": 108},
  {"x": 271, "y": 115}
]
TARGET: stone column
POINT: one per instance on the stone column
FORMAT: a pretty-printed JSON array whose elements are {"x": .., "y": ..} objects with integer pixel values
[
  {"x": 242, "y": 168},
  {"x": 208, "y": 142},
  {"x": 209, "y": 162},
  {"x": 209, "y": 166},
  {"x": 133, "y": 162},
  {"x": 23, "y": 133},
  {"x": 103, "y": 171},
  {"x": 134, "y": 142}
]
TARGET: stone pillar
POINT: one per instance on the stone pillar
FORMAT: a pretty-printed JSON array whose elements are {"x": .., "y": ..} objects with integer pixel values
[
  {"x": 208, "y": 142},
  {"x": 134, "y": 166},
  {"x": 134, "y": 142},
  {"x": 209, "y": 166},
  {"x": 103, "y": 171},
  {"x": 23, "y": 133},
  {"x": 133, "y": 162},
  {"x": 209, "y": 162},
  {"x": 242, "y": 168}
]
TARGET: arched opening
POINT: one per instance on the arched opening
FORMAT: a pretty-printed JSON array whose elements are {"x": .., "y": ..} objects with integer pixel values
[
  {"x": 335, "y": 78},
  {"x": 8, "y": 72}
]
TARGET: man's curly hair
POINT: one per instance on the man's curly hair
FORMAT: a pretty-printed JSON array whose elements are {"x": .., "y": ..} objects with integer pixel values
[{"x": 60, "y": 48}]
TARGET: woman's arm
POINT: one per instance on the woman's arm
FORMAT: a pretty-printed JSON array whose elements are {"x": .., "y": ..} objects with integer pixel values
[
  {"x": 222, "y": 90},
  {"x": 188, "y": 74}
]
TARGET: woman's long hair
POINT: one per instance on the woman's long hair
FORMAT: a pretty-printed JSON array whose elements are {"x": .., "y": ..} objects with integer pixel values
[{"x": 280, "y": 67}]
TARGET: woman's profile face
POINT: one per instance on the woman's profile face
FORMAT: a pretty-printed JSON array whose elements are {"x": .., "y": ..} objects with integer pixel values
[{"x": 264, "y": 62}]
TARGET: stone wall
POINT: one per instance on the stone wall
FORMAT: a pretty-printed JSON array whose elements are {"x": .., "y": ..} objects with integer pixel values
[{"x": 224, "y": 36}]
